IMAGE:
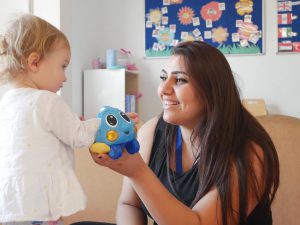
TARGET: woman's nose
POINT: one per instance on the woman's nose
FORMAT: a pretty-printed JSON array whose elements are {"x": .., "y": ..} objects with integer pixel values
[{"x": 166, "y": 87}]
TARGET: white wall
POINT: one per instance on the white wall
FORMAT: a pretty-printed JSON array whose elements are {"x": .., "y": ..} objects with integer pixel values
[
  {"x": 8, "y": 9},
  {"x": 12, "y": 6},
  {"x": 48, "y": 10},
  {"x": 66, "y": 27},
  {"x": 94, "y": 26}
]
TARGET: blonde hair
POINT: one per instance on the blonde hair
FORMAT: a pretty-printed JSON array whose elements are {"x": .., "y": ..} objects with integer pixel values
[{"x": 24, "y": 35}]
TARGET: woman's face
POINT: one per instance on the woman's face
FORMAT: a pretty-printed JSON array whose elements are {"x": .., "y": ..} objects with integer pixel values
[{"x": 180, "y": 102}]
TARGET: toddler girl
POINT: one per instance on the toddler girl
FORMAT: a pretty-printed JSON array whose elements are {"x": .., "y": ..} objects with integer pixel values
[{"x": 38, "y": 130}]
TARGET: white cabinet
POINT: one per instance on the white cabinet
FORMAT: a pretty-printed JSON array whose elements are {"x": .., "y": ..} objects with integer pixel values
[{"x": 107, "y": 87}]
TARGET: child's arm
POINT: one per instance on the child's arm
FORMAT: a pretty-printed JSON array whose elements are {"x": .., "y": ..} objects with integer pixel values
[{"x": 58, "y": 118}]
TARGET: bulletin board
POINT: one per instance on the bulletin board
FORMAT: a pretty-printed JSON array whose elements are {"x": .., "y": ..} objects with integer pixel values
[
  {"x": 288, "y": 20},
  {"x": 233, "y": 26}
]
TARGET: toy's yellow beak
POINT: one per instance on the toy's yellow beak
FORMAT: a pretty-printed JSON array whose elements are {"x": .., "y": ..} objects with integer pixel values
[
  {"x": 100, "y": 148},
  {"x": 112, "y": 135}
]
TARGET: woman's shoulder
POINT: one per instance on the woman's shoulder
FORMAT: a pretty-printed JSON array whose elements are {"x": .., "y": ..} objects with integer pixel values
[
  {"x": 149, "y": 126},
  {"x": 145, "y": 137}
]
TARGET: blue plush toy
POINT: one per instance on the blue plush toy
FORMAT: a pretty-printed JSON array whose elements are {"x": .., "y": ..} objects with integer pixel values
[{"x": 115, "y": 132}]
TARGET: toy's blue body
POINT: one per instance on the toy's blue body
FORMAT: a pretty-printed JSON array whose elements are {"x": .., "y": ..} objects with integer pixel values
[{"x": 115, "y": 132}]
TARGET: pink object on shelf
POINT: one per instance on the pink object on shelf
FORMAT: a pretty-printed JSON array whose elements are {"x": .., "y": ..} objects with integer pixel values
[
  {"x": 125, "y": 59},
  {"x": 96, "y": 63},
  {"x": 131, "y": 67}
]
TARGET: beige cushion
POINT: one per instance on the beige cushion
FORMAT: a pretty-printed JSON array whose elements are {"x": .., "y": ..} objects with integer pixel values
[
  {"x": 257, "y": 107},
  {"x": 285, "y": 133}
]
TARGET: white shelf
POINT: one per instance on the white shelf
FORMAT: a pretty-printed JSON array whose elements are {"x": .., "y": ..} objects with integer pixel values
[{"x": 107, "y": 87}]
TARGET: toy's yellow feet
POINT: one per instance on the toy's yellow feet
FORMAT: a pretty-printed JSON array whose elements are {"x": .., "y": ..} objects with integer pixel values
[{"x": 100, "y": 148}]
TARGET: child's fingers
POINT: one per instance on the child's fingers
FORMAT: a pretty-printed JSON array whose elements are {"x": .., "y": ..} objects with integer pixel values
[{"x": 133, "y": 116}]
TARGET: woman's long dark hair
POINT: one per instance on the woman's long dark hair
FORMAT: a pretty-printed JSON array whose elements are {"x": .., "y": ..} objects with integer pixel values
[{"x": 224, "y": 134}]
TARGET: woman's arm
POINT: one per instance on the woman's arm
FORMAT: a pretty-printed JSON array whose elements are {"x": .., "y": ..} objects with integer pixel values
[
  {"x": 167, "y": 210},
  {"x": 129, "y": 211},
  {"x": 142, "y": 184}
]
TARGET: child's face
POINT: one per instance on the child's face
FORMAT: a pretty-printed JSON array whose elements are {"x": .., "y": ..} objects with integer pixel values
[{"x": 52, "y": 67}]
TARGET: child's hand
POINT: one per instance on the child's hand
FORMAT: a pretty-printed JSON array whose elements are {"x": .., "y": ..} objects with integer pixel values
[{"x": 134, "y": 117}]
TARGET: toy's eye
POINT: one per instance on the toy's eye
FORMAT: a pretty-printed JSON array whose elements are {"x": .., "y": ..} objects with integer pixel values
[
  {"x": 111, "y": 120},
  {"x": 125, "y": 117}
]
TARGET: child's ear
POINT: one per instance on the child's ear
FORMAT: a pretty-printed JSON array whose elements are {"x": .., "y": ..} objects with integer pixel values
[{"x": 33, "y": 61}]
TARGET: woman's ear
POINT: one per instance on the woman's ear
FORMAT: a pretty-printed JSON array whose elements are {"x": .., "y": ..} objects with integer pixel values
[{"x": 33, "y": 61}]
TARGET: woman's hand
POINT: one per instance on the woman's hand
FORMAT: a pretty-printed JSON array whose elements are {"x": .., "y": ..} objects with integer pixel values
[{"x": 127, "y": 165}]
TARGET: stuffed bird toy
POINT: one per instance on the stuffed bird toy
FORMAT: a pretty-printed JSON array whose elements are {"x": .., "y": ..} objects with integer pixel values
[{"x": 116, "y": 131}]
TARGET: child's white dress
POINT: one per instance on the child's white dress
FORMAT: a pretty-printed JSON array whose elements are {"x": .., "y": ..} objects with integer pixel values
[{"x": 38, "y": 132}]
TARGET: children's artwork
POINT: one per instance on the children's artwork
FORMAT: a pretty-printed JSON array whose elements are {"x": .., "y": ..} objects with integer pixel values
[
  {"x": 233, "y": 26},
  {"x": 288, "y": 20}
]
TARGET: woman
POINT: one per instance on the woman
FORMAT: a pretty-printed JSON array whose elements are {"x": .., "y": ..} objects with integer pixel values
[{"x": 205, "y": 160}]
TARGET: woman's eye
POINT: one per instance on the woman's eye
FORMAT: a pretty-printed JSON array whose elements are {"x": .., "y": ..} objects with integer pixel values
[
  {"x": 163, "y": 78},
  {"x": 181, "y": 81}
]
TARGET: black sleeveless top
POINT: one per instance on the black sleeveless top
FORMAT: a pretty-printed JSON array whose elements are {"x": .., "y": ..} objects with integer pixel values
[{"x": 186, "y": 184}]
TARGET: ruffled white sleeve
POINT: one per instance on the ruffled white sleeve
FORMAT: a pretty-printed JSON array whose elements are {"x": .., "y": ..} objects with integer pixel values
[{"x": 58, "y": 118}]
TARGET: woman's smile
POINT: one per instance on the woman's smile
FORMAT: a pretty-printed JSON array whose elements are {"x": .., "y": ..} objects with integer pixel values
[{"x": 169, "y": 104}]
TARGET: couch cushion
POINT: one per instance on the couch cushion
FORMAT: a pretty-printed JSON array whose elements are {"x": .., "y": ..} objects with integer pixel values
[{"x": 285, "y": 133}]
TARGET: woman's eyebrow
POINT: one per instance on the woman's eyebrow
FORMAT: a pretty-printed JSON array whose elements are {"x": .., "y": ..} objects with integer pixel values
[
  {"x": 163, "y": 71},
  {"x": 179, "y": 72},
  {"x": 174, "y": 72}
]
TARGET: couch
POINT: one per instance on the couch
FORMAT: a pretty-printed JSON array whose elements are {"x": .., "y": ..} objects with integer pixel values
[
  {"x": 103, "y": 186},
  {"x": 285, "y": 133}
]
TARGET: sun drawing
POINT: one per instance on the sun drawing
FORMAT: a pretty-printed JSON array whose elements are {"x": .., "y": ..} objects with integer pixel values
[
  {"x": 155, "y": 16},
  {"x": 190, "y": 37},
  {"x": 165, "y": 37},
  {"x": 185, "y": 15},
  {"x": 219, "y": 35},
  {"x": 211, "y": 11},
  {"x": 244, "y": 7}
]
